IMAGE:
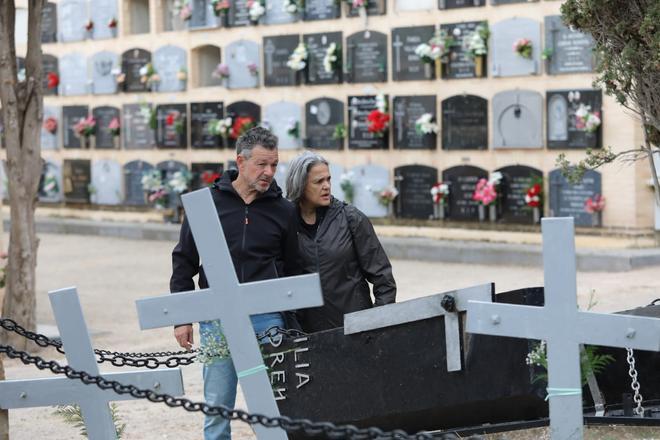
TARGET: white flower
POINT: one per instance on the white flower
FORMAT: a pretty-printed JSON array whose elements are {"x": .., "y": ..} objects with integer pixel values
[
  {"x": 143, "y": 70},
  {"x": 179, "y": 181},
  {"x": 582, "y": 111},
  {"x": 425, "y": 125},
  {"x": 423, "y": 51},
  {"x": 381, "y": 103},
  {"x": 330, "y": 58},
  {"x": 290, "y": 6},
  {"x": 495, "y": 178},
  {"x": 116, "y": 71},
  {"x": 256, "y": 10},
  {"x": 145, "y": 112},
  {"x": 298, "y": 57},
  {"x": 476, "y": 44}
]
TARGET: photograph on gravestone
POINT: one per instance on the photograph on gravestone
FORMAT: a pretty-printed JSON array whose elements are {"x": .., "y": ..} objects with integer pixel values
[
  {"x": 454, "y": 4},
  {"x": 282, "y": 11},
  {"x": 239, "y": 13},
  {"x": 515, "y": 47},
  {"x": 321, "y": 10},
  {"x": 204, "y": 174},
  {"x": 284, "y": 119},
  {"x": 51, "y": 128},
  {"x": 104, "y": 15},
  {"x": 108, "y": 127},
  {"x": 566, "y": 50},
  {"x": 74, "y": 79},
  {"x": 417, "y": 5},
  {"x": 368, "y": 122},
  {"x": 244, "y": 115},
  {"x": 104, "y": 66},
  {"x": 517, "y": 119},
  {"x": 138, "y": 126},
  {"x": 71, "y": 115},
  {"x": 203, "y": 15},
  {"x": 569, "y": 200},
  {"x": 107, "y": 185},
  {"x": 171, "y": 66},
  {"x": 574, "y": 118},
  {"x": 366, "y": 57},
  {"x": 406, "y": 64},
  {"x": 51, "y": 75},
  {"x": 49, "y": 23},
  {"x": 207, "y": 62},
  {"x": 243, "y": 64},
  {"x": 373, "y": 7},
  {"x": 77, "y": 180},
  {"x": 464, "y": 123},
  {"x": 414, "y": 184},
  {"x": 172, "y": 126},
  {"x": 132, "y": 61},
  {"x": 324, "y": 124},
  {"x": 200, "y": 115},
  {"x": 462, "y": 181},
  {"x": 134, "y": 193},
  {"x": 277, "y": 50},
  {"x": 367, "y": 182},
  {"x": 516, "y": 181},
  {"x": 72, "y": 18},
  {"x": 50, "y": 183},
  {"x": 324, "y": 58},
  {"x": 463, "y": 63},
  {"x": 415, "y": 122}
]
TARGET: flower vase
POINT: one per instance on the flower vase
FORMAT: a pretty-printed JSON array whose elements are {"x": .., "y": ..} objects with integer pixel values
[
  {"x": 224, "y": 19},
  {"x": 86, "y": 142},
  {"x": 479, "y": 66},
  {"x": 427, "y": 71},
  {"x": 596, "y": 219},
  {"x": 390, "y": 210},
  {"x": 482, "y": 213},
  {"x": 439, "y": 211},
  {"x": 492, "y": 212},
  {"x": 116, "y": 142},
  {"x": 536, "y": 214}
]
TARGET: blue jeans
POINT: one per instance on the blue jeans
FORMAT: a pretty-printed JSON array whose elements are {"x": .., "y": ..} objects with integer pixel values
[{"x": 220, "y": 378}]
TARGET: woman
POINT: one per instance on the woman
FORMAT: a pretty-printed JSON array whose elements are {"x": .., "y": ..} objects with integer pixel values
[{"x": 337, "y": 241}]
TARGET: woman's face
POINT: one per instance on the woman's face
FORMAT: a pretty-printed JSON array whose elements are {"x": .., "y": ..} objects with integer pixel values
[{"x": 317, "y": 189}]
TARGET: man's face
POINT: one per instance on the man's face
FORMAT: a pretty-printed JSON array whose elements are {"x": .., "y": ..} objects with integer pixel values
[{"x": 259, "y": 169}]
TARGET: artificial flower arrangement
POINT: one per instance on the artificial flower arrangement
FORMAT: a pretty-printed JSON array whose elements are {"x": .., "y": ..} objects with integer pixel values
[
  {"x": 240, "y": 125},
  {"x": 221, "y": 71},
  {"x": 174, "y": 120},
  {"x": 148, "y": 75},
  {"x": 253, "y": 69},
  {"x": 180, "y": 181},
  {"x": 182, "y": 74},
  {"x": 50, "y": 186},
  {"x": 594, "y": 204},
  {"x": 331, "y": 58},
  {"x": 256, "y": 10},
  {"x": 347, "y": 186},
  {"x": 112, "y": 23},
  {"x": 586, "y": 120},
  {"x": 477, "y": 42},
  {"x": 387, "y": 195},
  {"x": 339, "y": 132},
  {"x": 440, "y": 192},
  {"x": 154, "y": 188},
  {"x": 291, "y": 6},
  {"x": 534, "y": 196},
  {"x": 220, "y": 7},
  {"x": 50, "y": 125},
  {"x": 298, "y": 58},
  {"x": 436, "y": 48},
  {"x": 486, "y": 190},
  {"x": 523, "y": 47},
  {"x": 89, "y": 25},
  {"x": 52, "y": 80},
  {"x": 220, "y": 127},
  {"x": 183, "y": 9},
  {"x": 114, "y": 127},
  {"x": 378, "y": 120},
  {"x": 149, "y": 114},
  {"x": 85, "y": 127},
  {"x": 293, "y": 128},
  {"x": 120, "y": 76},
  {"x": 209, "y": 177},
  {"x": 426, "y": 124}
]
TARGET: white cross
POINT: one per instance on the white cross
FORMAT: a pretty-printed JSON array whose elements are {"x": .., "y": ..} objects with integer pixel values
[
  {"x": 564, "y": 327},
  {"x": 397, "y": 52},
  {"x": 232, "y": 303},
  {"x": 92, "y": 400}
]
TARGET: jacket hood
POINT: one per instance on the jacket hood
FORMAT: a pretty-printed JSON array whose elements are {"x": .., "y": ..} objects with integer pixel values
[{"x": 224, "y": 184}]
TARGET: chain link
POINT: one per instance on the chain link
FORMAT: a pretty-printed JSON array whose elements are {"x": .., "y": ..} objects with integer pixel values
[
  {"x": 286, "y": 423},
  {"x": 639, "y": 410}
]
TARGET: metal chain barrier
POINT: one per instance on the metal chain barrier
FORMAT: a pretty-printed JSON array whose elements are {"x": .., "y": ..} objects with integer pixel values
[
  {"x": 639, "y": 410},
  {"x": 283, "y": 422}
]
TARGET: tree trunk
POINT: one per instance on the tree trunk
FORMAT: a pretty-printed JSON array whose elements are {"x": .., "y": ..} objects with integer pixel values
[{"x": 22, "y": 115}]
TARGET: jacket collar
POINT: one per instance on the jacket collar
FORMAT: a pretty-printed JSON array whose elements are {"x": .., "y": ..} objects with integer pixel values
[{"x": 224, "y": 184}]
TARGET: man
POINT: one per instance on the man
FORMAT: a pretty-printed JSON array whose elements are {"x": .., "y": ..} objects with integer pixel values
[{"x": 259, "y": 226}]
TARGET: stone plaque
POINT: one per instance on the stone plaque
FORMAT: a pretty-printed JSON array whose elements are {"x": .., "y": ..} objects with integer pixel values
[
  {"x": 322, "y": 116},
  {"x": 570, "y": 51},
  {"x": 359, "y": 136},
  {"x": 321, "y": 10},
  {"x": 242, "y": 58},
  {"x": 102, "y": 13},
  {"x": 464, "y": 123},
  {"x": 516, "y": 180},
  {"x": 239, "y": 13},
  {"x": 131, "y": 62},
  {"x": 414, "y": 183},
  {"x": 277, "y": 14},
  {"x": 50, "y": 183},
  {"x": 104, "y": 136},
  {"x": 567, "y": 199},
  {"x": 72, "y": 17},
  {"x": 200, "y": 115},
  {"x": 462, "y": 181},
  {"x": 317, "y": 45},
  {"x": 49, "y": 23},
  {"x": 73, "y": 75},
  {"x": 574, "y": 118},
  {"x": 406, "y": 65},
  {"x": 368, "y": 181},
  {"x": 277, "y": 50},
  {"x": 406, "y": 111},
  {"x": 518, "y": 119},
  {"x": 284, "y": 119},
  {"x": 203, "y": 15},
  {"x": 417, "y": 5},
  {"x": 366, "y": 57},
  {"x": 133, "y": 171},
  {"x": 51, "y": 72},
  {"x": 461, "y": 65},
  {"x": 107, "y": 184},
  {"x": 77, "y": 179},
  {"x": 250, "y": 114},
  {"x": 203, "y": 174},
  {"x": 374, "y": 7},
  {"x": 71, "y": 115},
  {"x": 51, "y": 128},
  {"x": 170, "y": 62},
  {"x": 453, "y": 4},
  {"x": 137, "y": 127},
  {"x": 103, "y": 66},
  {"x": 504, "y": 60},
  {"x": 172, "y": 126}
]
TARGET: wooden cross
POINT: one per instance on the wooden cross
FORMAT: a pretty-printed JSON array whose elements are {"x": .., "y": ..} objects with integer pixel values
[
  {"x": 92, "y": 400},
  {"x": 564, "y": 327},
  {"x": 233, "y": 303}
]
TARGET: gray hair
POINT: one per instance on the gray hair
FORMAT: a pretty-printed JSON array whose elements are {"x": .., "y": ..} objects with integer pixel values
[
  {"x": 296, "y": 177},
  {"x": 253, "y": 137}
]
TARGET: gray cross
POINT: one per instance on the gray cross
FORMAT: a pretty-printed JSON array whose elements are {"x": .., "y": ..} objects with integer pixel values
[
  {"x": 564, "y": 327},
  {"x": 269, "y": 50},
  {"x": 397, "y": 52},
  {"x": 418, "y": 309},
  {"x": 92, "y": 400},
  {"x": 232, "y": 303}
]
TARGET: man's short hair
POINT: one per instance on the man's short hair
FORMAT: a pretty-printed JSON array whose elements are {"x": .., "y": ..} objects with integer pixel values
[{"x": 253, "y": 137}]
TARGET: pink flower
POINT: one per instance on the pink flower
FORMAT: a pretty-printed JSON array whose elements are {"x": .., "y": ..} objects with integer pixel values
[
  {"x": 485, "y": 192},
  {"x": 594, "y": 204}
]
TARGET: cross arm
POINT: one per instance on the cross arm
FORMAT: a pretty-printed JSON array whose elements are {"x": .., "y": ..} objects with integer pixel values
[
  {"x": 637, "y": 332},
  {"x": 510, "y": 320}
]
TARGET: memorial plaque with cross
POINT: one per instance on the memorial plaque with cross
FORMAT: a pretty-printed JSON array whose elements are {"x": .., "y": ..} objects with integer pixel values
[
  {"x": 406, "y": 111},
  {"x": 93, "y": 401},
  {"x": 564, "y": 327},
  {"x": 570, "y": 51},
  {"x": 567, "y": 199},
  {"x": 232, "y": 303},
  {"x": 461, "y": 64},
  {"x": 172, "y": 126},
  {"x": 366, "y": 57},
  {"x": 406, "y": 64},
  {"x": 200, "y": 115},
  {"x": 133, "y": 190},
  {"x": 137, "y": 130},
  {"x": 317, "y": 47},
  {"x": 277, "y": 50},
  {"x": 131, "y": 62}
]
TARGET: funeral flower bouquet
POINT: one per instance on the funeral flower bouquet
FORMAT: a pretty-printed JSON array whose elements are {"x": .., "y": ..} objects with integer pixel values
[
  {"x": 486, "y": 190},
  {"x": 240, "y": 125},
  {"x": 85, "y": 127},
  {"x": 534, "y": 196},
  {"x": 174, "y": 119},
  {"x": 387, "y": 195},
  {"x": 253, "y": 69},
  {"x": 476, "y": 44},
  {"x": 298, "y": 58},
  {"x": 148, "y": 75},
  {"x": 523, "y": 47},
  {"x": 594, "y": 204},
  {"x": 440, "y": 192},
  {"x": 149, "y": 114},
  {"x": 256, "y": 10},
  {"x": 425, "y": 124},
  {"x": 378, "y": 120},
  {"x": 89, "y": 25},
  {"x": 114, "y": 127},
  {"x": 340, "y": 132},
  {"x": 220, "y": 127},
  {"x": 221, "y": 71},
  {"x": 50, "y": 125},
  {"x": 291, "y": 6},
  {"x": 209, "y": 177},
  {"x": 347, "y": 186},
  {"x": 52, "y": 80},
  {"x": 180, "y": 181},
  {"x": 331, "y": 58},
  {"x": 437, "y": 47},
  {"x": 154, "y": 188},
  {"x": 220, "y": 7},
  {"x": 112, "y": 23},
  {"x": 183, "y": 9},
  {"x": 586, "y": 120}
]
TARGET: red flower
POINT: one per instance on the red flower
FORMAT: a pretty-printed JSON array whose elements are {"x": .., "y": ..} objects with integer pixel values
[
  {"x": 209, "y": 177},
  {"x": 378, "y": 122},
  {"x": 52, "y": 80},
  {"x": 240, "y": 126},
  {"x": 533, "y": 197},
  {"x": 170, "y": 119}
]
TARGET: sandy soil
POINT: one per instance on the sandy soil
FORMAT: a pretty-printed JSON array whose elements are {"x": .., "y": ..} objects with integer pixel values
[{"x": 112, "y": 273}]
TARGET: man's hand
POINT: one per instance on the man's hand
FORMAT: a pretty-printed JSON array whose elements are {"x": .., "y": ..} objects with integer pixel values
[{"x": 184, "y": 336}]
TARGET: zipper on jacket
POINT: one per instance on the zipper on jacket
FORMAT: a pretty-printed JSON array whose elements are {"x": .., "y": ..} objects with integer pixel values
[{"x": 245, "y": 223}]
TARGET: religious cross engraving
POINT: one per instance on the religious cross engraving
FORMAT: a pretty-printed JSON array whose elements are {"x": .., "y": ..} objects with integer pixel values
[
  {"x": 407, "y": 110},
  {"x": 569, "y": 51},
  {"x": 406, "y": 64}
]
